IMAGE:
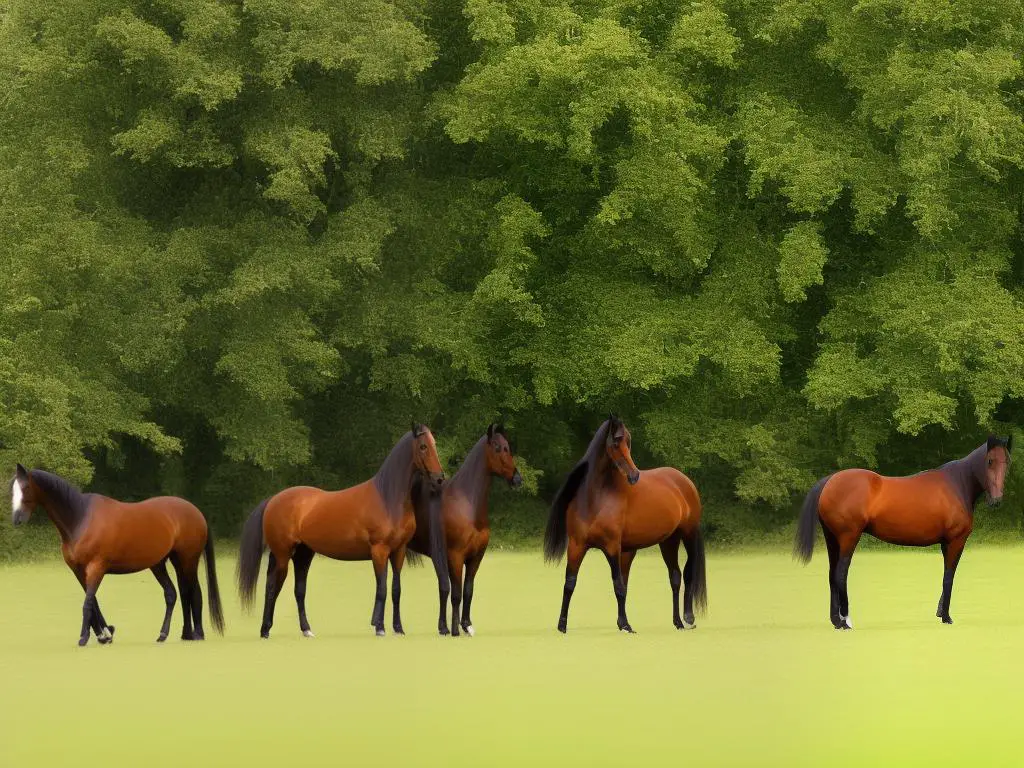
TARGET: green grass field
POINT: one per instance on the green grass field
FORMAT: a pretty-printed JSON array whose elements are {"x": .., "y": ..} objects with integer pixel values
[{"x": 764, "y": 680}]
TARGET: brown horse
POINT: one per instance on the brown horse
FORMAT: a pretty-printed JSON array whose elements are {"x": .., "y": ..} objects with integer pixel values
[
  {"x": 100, "y": 535},
  {"x": 463, "y": 515},
  {"x": 370, "y": 521},
  {"x": 607, "y": 503},
  {"x": 931, "y": 507}
]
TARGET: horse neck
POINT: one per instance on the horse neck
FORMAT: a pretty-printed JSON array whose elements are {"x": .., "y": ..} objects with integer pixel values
[
  {"x": 966, "y": 475},
  {"x": 473, "y": 480},
  {"x": 64, "y": 518}
]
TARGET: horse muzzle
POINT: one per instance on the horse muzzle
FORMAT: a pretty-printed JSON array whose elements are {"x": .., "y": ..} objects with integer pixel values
[
  {"x": 995, "y": 502},
  {"x": 437, "y": 480},
  {"x": 516, "y": 480},
  {"x": 633, "y": 477},
  {"x": 19, "y": 517}
]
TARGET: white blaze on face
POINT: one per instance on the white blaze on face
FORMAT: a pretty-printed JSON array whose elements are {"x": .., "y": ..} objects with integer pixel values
[{"x": 16, "y": 496}]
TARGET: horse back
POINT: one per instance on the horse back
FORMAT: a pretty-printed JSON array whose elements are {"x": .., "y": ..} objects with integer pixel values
[
  {"x": 132, "y": 536},
  {"x": 918, "y": 510},
  {"x": 341, "y": 524}
]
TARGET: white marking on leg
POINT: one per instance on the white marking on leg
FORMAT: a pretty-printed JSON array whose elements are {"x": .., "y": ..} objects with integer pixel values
[
  {"x": 105, "y": 633},
  {"x": 470, "y": 631},
  {"x": 847, "y": 621},
  {"x": 17, "y": 497},
  {"x": 308, "y": 633}
]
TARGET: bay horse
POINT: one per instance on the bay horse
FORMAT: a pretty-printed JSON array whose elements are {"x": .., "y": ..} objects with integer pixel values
[
  {"x": 466, "y": 529},
  {"x": 932, "y": 507},
  {"x": 100, "y": 535},
  {"x": 606, "y": 503},
  {"x": 370, "y": 521}
]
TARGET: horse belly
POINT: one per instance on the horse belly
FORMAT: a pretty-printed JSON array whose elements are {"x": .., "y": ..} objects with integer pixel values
[
  {"x": 339, "y": 543},
  {"x": 136, "y": 542},
  {"x": 913, "y": 528},
  {"x": 647, "y": 525}
]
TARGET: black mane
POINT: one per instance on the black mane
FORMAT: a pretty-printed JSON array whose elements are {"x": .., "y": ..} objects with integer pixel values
[
  {"x": 71, "y": 501},
  {"x": 579, "y": 484},
  {"x": 393, "y": 480}
]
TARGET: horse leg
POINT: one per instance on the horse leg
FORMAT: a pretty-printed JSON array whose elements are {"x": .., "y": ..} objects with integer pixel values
[
  {"x": 575, "y": 552},
  {"x": 613, "y": 554},
  {"x": 443, "y": 590},
  {"x": 170, "y": 597},
  {"x": 302, "y": 558},
  {"x": 832, "y": 545},
  {"x": 185, "y": 593},
  {"x": 104, "y": 632},
  {"x": 951, "y": 551},
  {"x": 397, "y": 561},
  {"x": 472, "y": 566},
  {"x": 196, "y": 602},
  {"x": 94, "y": 573},
  {"x": 379, "y": 554},
  {"x": 670, "y": 554},
  {"x": 277, "y": 572},
  {"x": 847, "y": 545},
  {"x": 455, "y": 563}
]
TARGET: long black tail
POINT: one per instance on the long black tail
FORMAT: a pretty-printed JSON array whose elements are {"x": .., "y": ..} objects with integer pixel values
[
  {"x": 250, "y": 553},
  {"x": 695, "y": 554},
  {"x": 556, "y": 535},
  {"x": 216, "y": 611},
  {"x": 803, "y": 544}
]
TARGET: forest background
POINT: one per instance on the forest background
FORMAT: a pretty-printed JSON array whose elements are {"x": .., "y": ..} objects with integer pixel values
[{"x": 244, "y": 244}]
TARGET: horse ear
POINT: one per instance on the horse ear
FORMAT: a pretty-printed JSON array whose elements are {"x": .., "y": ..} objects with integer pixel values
[
  {"x": 22, "y": 474},
  {"x": 415, "y": 429},
  {"x": 490, "y": 430},
  {"x": 500, "y": 429},
  {"x": 993, "y": 441}
]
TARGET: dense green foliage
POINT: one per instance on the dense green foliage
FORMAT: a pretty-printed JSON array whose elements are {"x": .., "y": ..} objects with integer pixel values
[{"x": 244, "y": 244}]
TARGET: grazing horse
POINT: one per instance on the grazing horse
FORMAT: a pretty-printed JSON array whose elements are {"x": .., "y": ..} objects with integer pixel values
[
  {"x": 932, "y": 507},
  {"x": 370, "y": 521},
  {"x": 463, "y": 516},
  {"x": 100, "y": 535},
  {"x": 608, "y": 504}
]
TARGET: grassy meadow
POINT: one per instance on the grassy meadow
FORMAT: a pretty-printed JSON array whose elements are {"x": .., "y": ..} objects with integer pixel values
[{"x": 763, "y": 680}]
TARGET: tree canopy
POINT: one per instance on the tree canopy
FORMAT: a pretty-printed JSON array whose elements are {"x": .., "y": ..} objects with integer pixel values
[{"x": 245, "y": 243}]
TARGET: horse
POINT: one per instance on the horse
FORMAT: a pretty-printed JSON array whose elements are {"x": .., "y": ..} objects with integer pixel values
[
  {"x": 463, "y": 517},
  {"x": 608, "y": 504},
  {"x": 932, "y": 507},
  {"x": 100, "y": 535},
  {"x": 370, "y": 521}
]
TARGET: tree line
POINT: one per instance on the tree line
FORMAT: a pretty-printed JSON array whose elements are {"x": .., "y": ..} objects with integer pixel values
[{"x": 244, "y": 244}]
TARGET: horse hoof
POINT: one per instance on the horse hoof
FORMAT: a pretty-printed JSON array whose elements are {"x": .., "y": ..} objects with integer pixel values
[
  {"x": 398, "y": 630},
  {"x": 627, "y": 629},
  {"x": 308, "y": 633},
  {"x": 443, "y": 631},
  {"x": 379, "y": 631},
  {"x": 163, "y": 636},
  {"x": 455, "y": 632},
  {"x": 264, "y": 635},
  {"x": 947, "y": 620},
  {"x": 846, "y": 620},
  {"x": 684, "y": 626},
  {"x": 562, "y": 626},
  {"x": 82, "y": 641},
  {"x": 468, "y": 629}
]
